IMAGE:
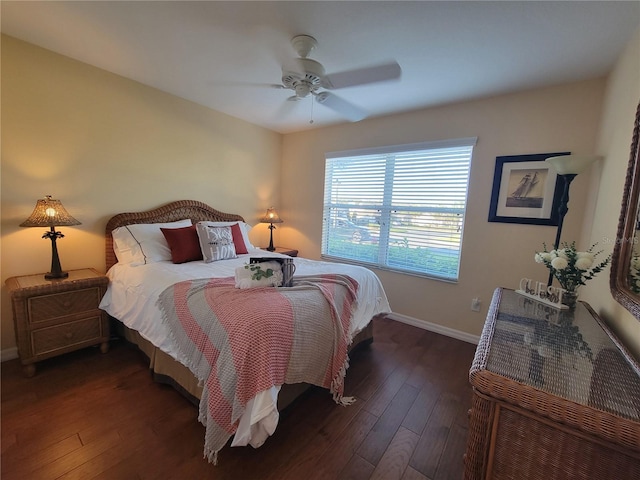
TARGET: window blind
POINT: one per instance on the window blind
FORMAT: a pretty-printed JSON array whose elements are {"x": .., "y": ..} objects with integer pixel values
[{"x": 400, "y": 208}]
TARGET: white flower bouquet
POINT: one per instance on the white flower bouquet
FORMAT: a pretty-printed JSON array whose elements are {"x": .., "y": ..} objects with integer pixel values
[{"x": 569, "y": 266}]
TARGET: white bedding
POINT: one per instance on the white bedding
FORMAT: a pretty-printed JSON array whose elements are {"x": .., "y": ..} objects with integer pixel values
[{"x": 133, "y": 291}]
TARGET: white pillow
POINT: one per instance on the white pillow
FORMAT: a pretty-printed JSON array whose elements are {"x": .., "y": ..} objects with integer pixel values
[
  {"x": 216, "y": 242},
  {"x": 245, "y": 228},
  {"x": 143, "y": 243}
]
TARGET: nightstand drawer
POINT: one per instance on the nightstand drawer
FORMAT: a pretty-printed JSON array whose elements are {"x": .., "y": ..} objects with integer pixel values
[
  {"x": 46, "y": 307},
  {"x": 45, "y": 340}
]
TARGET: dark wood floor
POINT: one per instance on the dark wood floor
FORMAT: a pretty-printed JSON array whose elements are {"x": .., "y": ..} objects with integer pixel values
[{"x": 86, "y": 415}]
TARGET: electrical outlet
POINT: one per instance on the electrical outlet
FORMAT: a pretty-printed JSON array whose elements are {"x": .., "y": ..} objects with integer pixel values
[{"x": 475, "y": 304}]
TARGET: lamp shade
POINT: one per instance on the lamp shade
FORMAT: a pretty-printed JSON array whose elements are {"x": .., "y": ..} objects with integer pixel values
[
  {"x": 572, "y": 164},
  {"x": 49, "y": 212},
  {"x": 271, "y": 216}
]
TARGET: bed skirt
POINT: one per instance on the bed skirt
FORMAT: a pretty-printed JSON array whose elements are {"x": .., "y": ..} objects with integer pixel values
[{"x": 165, "y": 369}]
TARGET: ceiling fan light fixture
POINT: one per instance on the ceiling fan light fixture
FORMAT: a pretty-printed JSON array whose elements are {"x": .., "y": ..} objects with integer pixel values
[{"x": 303, "y": 89}]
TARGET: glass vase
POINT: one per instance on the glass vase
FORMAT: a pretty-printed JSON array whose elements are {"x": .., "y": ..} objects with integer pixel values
[{"x": 570, "y": 298}]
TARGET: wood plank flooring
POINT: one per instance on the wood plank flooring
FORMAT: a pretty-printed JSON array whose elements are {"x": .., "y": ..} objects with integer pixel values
[{"x": 91, "y": 416}]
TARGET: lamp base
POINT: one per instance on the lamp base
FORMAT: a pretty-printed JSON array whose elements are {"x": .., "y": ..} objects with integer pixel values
[
  {"x": 271, "y": 248},
  {"x": 56, "y": 272},
  {"x": 55, "y": 275}
]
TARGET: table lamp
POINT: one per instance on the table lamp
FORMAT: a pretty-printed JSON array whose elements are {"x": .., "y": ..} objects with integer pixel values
[
  {"x": 50, "y": 213},
  {"x": 271, "y": 217}
]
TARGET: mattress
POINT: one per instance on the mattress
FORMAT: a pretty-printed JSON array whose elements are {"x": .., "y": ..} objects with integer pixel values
[{"x": 132, "y": 299}]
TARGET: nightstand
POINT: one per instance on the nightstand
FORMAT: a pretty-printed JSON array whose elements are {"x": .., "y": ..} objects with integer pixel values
[
  {"x": 52, "y": 317},
  {"x": 286, "y": 251}
]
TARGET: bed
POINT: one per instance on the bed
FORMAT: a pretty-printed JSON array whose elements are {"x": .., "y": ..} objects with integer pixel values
[{"x": 132, "y": 300}]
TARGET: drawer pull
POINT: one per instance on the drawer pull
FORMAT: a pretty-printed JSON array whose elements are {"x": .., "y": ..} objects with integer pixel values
[
  {"x": 66, "y": 304},
  {"x": 68, "y": 335}
]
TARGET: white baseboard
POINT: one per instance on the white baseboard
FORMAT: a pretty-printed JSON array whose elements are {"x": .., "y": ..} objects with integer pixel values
[
  {"x": 8, "y": 354},
  {"x": 434, "y": 327}
]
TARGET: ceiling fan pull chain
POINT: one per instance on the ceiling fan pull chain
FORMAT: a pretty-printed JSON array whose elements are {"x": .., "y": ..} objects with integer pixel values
[{"x": 312, "y": 102}]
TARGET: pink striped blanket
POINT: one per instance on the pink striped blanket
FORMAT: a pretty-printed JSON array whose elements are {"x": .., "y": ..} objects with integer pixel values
[{"x": 239, "y": 342}]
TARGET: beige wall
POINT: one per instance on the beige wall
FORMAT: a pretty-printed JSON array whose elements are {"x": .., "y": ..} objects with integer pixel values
[
  {"x": 614, "y": 141},
  {"x": 493, "y": 254},
  {"x": 104, "y": 144}
]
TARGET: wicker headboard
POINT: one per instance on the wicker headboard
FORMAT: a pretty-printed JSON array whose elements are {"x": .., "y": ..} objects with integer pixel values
[{"x": 171, "y": 212}]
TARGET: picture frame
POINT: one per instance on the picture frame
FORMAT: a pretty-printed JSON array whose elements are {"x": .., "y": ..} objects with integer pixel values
[{"x": 526, "y": 190}]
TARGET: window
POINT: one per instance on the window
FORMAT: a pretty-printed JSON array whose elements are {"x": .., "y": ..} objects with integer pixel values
[{"x": 399, "y": 208}]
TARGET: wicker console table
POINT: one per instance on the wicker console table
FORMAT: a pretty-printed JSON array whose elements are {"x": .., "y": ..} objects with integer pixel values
[{"x": 555, "y": 396}]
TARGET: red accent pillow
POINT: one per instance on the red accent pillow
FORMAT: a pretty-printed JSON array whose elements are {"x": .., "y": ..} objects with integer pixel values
[
  {"x": 183, "y": 243},
  {"x": 238, "y": 241}
]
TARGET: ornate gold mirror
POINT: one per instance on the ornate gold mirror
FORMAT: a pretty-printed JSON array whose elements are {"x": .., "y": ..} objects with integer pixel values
[{"x": 625, "y": 264}]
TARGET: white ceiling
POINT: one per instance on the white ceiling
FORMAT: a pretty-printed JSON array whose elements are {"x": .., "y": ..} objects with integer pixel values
[{"x": 222, "y": 54}]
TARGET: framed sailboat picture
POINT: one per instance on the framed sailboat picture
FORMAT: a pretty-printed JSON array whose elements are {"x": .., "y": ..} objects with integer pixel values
[{"x": 526, "y": 189}]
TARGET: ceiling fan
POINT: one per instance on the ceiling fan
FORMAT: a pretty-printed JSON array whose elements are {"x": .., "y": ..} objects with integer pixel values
[{"x": 307, "y": 77}]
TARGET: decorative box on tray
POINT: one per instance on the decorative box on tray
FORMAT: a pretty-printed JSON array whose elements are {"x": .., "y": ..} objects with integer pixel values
[{"x": 287, "y": 265}]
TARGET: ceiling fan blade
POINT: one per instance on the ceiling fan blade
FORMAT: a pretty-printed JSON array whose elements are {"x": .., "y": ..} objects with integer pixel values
[
  {"x": 362, "y": 76},
  {"x": 348, "y": 110},
  {"x": 247, "y": 84},
  {"x": 286, "y": 108}
]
